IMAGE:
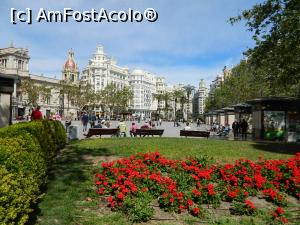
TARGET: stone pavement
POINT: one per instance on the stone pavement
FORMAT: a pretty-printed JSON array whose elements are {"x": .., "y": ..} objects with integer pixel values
[{"x": 169, "y": 129}]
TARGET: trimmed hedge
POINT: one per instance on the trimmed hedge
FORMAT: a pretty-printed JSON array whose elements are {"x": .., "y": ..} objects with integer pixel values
[{"x": 25, "y": 151}]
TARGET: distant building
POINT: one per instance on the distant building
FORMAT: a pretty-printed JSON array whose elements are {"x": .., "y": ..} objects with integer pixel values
[
  {"x": 103, "y": 70},
  {"x": 14, "y": 65},
  {"x": 216, "y": 83},
  {"x": 199, "y": 99},
  {"x": 143, "y": 85}
]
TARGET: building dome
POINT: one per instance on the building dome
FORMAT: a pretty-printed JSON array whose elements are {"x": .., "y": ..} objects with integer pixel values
[
  {"x": 138, "y": 72},
  {"x": 70, "y": 64}
]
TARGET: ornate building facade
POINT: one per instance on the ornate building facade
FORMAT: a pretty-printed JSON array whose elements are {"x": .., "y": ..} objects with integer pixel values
[
  {"x": 103, "y": 70},
  {"x": 14, "y": 64}
]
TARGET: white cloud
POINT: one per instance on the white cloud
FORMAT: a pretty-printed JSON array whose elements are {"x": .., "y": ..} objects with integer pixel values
[{"x": 185, "y": 33}]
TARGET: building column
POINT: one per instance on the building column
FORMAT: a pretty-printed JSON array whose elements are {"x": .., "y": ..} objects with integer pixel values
[{"x": 14, "y": 102}]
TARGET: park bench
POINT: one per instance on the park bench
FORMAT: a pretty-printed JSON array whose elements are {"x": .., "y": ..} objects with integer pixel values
[
  {"x": 102, "y": 131},
  {"x": 148, "y": 132},
  {"x": 194, "y": 133}
]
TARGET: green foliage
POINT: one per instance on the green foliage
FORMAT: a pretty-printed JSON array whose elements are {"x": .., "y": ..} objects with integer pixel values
[
  {"x": 239, "y": 208},
  {"x": 34, "y": 91},
  {"x": 116, "y": 99},
  {"x": 138, "y": 209},
  {"x": 275, "y": 58},
  {"x": 25, "y": 151}
]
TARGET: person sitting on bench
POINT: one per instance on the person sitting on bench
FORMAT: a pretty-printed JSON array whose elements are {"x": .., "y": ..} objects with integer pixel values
[
  {"x": 123, "y": 128},
  {"x": 133, "y": 129},
  {"x": 187, "y": 127}
]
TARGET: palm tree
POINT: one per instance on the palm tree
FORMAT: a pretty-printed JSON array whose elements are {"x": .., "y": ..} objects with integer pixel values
[
  {"x": 177, "y": 95},
  {"x": 160, "y": 98},
  {"x": 188, "y": 89},
  {"x": 166, "y": 98}
]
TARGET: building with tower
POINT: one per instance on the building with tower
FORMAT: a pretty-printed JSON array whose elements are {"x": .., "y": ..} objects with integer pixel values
[
  {"x": 199, "y": 99},
  {"x": 70, "y": 71},
  {"x": 14, "y": 68}
]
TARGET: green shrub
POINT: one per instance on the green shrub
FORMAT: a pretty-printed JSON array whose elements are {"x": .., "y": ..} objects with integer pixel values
[
  {"x": 46, "y": 136},
  {"x": 25, "y": 151},
  {"x": 15, "y": 198}
]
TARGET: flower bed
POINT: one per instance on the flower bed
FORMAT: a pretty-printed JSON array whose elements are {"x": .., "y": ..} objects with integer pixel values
[{"x": 131, "y": 184}]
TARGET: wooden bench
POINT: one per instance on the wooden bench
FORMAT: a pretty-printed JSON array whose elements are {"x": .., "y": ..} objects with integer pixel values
[
  {"x": 194, "y": 133},
  {"x": 102, "y": 131},
  {"x": 148, "y": 132}
]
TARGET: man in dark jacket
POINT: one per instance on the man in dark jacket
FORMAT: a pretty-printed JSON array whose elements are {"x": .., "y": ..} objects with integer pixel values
[
  {"x": 244, "y": 127},
  {"x": 84, "y": 120},
  {"x": 235, "y": 128}
]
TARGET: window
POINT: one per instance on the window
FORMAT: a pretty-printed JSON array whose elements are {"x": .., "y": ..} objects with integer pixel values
[{"x": 72, "y": 77}]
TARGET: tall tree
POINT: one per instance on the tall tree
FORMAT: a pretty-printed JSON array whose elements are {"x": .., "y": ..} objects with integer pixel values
[
  {"x": 35, "y": 92},
  {"x": 275, "y": 25},
  {"x": 188, "y": 90},
  {"x": 159, "y": 97},
  {"x": 166, "y": 98},
  {"x": 177, "y": 96}
]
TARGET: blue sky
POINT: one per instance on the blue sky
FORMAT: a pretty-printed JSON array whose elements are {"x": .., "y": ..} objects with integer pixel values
[{"x": 190, "y": 40}]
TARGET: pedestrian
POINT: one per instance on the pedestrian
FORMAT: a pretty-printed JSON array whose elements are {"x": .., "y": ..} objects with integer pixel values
[
  {"x": 198, "y": 122},
  {"x": 133, "y": 129},
  {"x": 244, "y": 127},
  {"x": 160, "y": 122},
  {"x": 123, "y": 128},
  {"x": 92, "y": 120},
  {"x": 84, "y": 120},
  {"x": 68, "y": 122},
  {"x": 235, "y": 128},
  {"x": 36, "y": 114}
]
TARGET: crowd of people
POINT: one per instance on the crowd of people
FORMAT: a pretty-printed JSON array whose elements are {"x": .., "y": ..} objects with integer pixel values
[{"x": 239, "y": 128}]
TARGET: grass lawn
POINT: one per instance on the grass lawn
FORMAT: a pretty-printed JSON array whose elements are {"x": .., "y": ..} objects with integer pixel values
[{"x": 70, "y": 196}]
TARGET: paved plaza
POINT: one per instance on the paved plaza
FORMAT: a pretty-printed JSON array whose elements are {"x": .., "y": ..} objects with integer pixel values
[{"x": 169, "y": 129}]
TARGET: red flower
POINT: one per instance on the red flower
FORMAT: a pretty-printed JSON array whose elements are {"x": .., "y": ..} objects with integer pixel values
[
  {"x": 195, "y": 211},
  {"x": 101, "y": 191},
  {"x": 190, "y": 202},
  {"x": 279, "y": 210},
  {"x": 249, "y": 204},
  {"x": 144, "y": 189},
  {"x": 196, "y": 193},
  {"x": 120, "y": 196},
  {"x": 211, "y": 190}
]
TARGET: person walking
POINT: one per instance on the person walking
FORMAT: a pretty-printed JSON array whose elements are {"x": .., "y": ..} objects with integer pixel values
[
  {"x": 84, "y": 121},
  {"x": 198, "y": 123},
  {"x": 235, "y": 128},
  {"x": 36, "y": 114},
  {"x": 244, "y": 128},
  {"x": 92, "y": 119}
]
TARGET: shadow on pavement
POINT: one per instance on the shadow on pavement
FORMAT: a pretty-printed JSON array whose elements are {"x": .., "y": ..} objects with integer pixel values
[{"x": 277, "y": 147}]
